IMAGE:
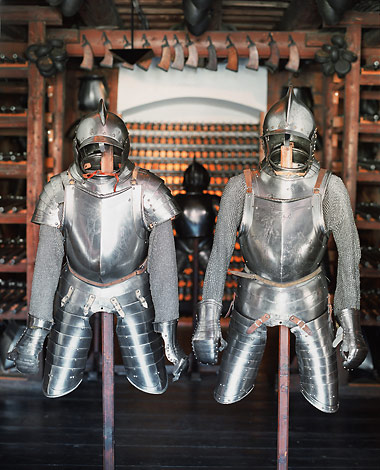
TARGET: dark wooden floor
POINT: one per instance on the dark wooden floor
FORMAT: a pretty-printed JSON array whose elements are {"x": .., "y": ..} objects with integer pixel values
[{"x": 184, "y": 429}]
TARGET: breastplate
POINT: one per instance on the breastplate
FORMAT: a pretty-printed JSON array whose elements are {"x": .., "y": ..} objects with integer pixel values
[
  {"x": 197, "y": 218},
  {"x": 283, "y": 236},
  {"x": 104, "y": 236}
]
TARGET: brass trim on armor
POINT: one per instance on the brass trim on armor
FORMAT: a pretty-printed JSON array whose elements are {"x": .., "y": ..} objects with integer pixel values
[
  {"x": 141, "y": 270},
  {"x": 273, "y": 283}
]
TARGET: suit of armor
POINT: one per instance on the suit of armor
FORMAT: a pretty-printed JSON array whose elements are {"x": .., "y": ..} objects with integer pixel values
[
  {"x": 108, "y": 211},
  {"x": 197, "y": 219},
  {"x": 284, "y": 216}
]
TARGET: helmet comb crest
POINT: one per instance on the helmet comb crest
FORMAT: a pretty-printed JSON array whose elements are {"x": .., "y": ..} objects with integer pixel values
[{"x": 102, "y": 110}]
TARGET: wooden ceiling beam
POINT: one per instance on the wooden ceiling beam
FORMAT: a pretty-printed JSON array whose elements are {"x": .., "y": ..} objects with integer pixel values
[
  {"x": 255, "y": 4},
  {"x": 253, "y": 11},
  {"x": 219, "y": 38},
  {"x": 24, "y": 14}
]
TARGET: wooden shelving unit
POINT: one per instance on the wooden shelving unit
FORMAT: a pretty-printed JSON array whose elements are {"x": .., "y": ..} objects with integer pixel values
[{"x": 25, "y": 79}]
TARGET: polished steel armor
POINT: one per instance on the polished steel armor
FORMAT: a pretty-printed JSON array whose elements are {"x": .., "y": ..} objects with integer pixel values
[
  {"x": 102, "y": 251},
  {"x": 106, "y": 209},
  {"x": 283, "y": 239}
]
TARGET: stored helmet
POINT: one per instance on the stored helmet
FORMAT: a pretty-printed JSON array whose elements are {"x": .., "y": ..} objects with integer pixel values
[
  {"x": 196, "y": 177},
  {"x": 101, "y": 142},
  {"x": 289, "y": 122}
]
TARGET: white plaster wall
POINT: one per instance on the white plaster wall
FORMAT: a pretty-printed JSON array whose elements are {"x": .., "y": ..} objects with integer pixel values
[{"x": 192, "y": 95}]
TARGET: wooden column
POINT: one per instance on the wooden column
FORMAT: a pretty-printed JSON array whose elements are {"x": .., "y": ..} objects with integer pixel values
[
  {"x": 58, "y": 120},
  {"x": 35, "y": 147},
  {"x": 351, "y": 114},
  {"x": 330, "y": 100}
]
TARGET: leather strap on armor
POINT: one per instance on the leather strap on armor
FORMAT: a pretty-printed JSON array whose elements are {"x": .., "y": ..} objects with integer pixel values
[
  {"x": 318, "y": 183},
  {"x": 141, "y": 270},
  {"x": 273, "y": 283},
  {"x": 256, "y": 324},
  {"x": 248, "y": 178},
  {"x": 301, "y": 324}
]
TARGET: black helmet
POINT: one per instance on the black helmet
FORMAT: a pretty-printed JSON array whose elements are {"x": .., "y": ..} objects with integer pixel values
[{"x": 196, "y": 177}]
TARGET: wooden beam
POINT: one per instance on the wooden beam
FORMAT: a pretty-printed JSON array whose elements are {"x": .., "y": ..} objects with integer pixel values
[
  {"x": 35, "y": 148},
  {"x": 100, "y": 13},
  {"x": 23, "y": 14},
  {"x": 300, "y": 14},
  {"x": 219, "y": 38},
  {"x": 351, "y": 113}
]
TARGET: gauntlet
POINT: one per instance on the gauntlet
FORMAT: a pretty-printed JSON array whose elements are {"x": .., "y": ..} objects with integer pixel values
[
  {"x": 207, "y": 339},
  {"x": 353, "y": 348},
  {"x": 173, "y": 351},
  {"x": 25, "y": 353}
]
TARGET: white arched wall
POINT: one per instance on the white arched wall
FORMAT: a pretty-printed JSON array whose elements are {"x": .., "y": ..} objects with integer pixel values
[{"x": 192, "y": 95}]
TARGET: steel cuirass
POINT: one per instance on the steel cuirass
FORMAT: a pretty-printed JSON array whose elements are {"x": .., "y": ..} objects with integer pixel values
[
  {"x": 283, "y": 237},
  {"x": 105, "y": 240}
]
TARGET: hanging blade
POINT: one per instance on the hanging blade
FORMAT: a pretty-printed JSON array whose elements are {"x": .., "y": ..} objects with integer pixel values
[
  {"x": 88, "y": 55},
  {"x": 232, "y": 56},
  {"x": 164, "y": 63},
  {"x": 192, "y": 60},
  {"x": 212, "y": 63},
  {"x": 179, "y": 58},
  {"x": 253, "y": 59},
  {"x": 274, "y": 58},
  {"x": 127, "y": 45},
  {"x": 144, "y": 64},
  {"x": 107, "y": 61},
  {"x": 294, "y": 56}
]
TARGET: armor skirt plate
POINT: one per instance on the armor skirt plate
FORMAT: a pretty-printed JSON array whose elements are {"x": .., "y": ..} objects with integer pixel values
[{"x": 70, "y": 339}]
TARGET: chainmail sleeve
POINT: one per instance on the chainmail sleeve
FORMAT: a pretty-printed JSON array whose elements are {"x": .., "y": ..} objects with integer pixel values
[
  {"x": 340, "y": 221},
  {"x": 46, "y": 274},
  {"x": 162, "y": 268},
  {"x": 229, "y": 218}
]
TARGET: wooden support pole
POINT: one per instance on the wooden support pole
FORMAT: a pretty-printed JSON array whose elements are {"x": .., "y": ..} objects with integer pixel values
[
  {"x": 108, "y": 393},
  {"x": 351, "y": 114},
  {"x": 331, "y": 101},
  {"x": 283, "y": 398},
  {"x": 194, "y": 369},
  {"x": 35, "y": 148}
]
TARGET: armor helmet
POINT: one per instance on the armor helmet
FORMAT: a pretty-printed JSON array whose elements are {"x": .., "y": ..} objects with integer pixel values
[
  {"x": 196, "y": 178},
  {"x": 289, "y": 122},
  {"x": 101, "y": 142}
]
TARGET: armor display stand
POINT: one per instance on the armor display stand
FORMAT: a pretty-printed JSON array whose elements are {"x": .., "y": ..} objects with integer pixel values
[
  {"x": 108, "y": 392},
  {"x": 194, "y": 366},
  {"x": 283, "y": 364},
  {"x": 283, "y": 398}
]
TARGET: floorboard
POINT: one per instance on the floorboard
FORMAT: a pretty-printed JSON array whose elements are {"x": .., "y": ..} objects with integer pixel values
[{"x": 185, "y": 429}]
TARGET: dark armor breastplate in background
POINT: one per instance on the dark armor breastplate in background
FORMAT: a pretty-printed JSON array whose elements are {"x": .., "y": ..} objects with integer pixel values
[
  {"x": 197, "y": 218},
  {"x": 283, "y": 236},
  {"x": 104, "y": 236}
]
